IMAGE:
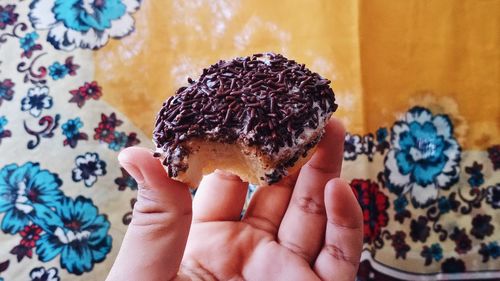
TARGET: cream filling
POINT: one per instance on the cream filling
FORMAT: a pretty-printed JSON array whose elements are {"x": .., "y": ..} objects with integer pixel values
[{"x": 207, "y": 156}]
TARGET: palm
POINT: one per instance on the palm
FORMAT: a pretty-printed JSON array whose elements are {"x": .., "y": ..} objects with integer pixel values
[
  {"x": 306, "y": 227},
  {"x": 216, "y": 249}
]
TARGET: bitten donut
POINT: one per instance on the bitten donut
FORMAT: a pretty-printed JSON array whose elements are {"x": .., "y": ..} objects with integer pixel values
[{"x": 259, "y": 117}]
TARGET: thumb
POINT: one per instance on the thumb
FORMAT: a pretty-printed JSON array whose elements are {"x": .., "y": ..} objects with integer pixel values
[{"x": 156, "y": 237}]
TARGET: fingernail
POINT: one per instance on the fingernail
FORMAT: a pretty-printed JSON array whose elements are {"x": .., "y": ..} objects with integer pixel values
[{"x": 133, "y": 171}]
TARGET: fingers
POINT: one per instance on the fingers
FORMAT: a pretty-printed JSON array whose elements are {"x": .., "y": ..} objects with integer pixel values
[
  {"x": 330, "y": 152},
  {"x": 303, "y": 225},
  {"x": 220, "y": 197},
  {"x": 155, "y": 240},
  {"x": 339, "y": 257},
  {"x": 268, "y": 205}
]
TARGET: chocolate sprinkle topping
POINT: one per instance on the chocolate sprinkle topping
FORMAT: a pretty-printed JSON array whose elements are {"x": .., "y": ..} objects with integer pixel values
[{"x": 264, "y": 100}]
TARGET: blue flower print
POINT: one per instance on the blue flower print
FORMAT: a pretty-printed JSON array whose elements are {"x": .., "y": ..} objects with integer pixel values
[
  {"x": 434, "y": 252},
  {"x": 28, "y": 44},
  {"x": 444, "y": 205},
  {"x": 58, "y": 71},
  {"x": 401, "y": 213},
  {"x": 381, "y": 134},
  {"x": 84, "y": 24},
  {"x": 490, "y": 250},
  {"x": 3, "y": 122},
  {"x": 4, "y": 133},
  {"x": 437, "y": 252},
  {"x": 7, "y": 16},
  {"x": 28, "y": 41},
  {"x": 119, "y": 141},
  {"x": 424, "y": 156},
  {"x": 22, "y": 190},
  {"x": 78, "y": 233},
  {"x": 72, "y": 127},
  {"x": 37, "y": 100},
  {"x": 71, "y": 130},
  {"x": 494, "y": 249},
  {"x": 400, "y": 204},
  {"x": 88, "y": 168},
  {"x": 476, "y": 178},
  {"x": 447, "y": 204}
]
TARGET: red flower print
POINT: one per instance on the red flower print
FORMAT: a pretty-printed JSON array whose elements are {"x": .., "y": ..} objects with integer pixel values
[
  {"x": 105, "y": 130},
  {"x": 87, "y": 91},
  {"x": 104, "y": 133},
  {"x": 30, "y": 234},
  {"x": 374, "y": 204},
  {"x": 110, "y": 121}
]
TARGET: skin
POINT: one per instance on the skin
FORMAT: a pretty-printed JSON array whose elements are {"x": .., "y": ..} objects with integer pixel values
[{"x": 306, "y": 227}]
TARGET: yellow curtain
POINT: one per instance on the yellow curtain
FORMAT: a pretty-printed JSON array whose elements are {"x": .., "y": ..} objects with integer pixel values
[{"x": 382, "y": 56}]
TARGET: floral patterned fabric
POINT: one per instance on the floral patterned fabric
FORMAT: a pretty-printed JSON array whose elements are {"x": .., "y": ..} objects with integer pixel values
[
  {"x": 427, "y": 204},
  {"x": 59, "y": 142},
  {"x": 81, "y": 80}
]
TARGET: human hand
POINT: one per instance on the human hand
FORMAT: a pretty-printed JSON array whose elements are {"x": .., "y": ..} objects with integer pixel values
[{"x": 306, "y": 227}]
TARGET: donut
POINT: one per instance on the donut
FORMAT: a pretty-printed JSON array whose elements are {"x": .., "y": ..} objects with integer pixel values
[{"x": 259, "y": 117}]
